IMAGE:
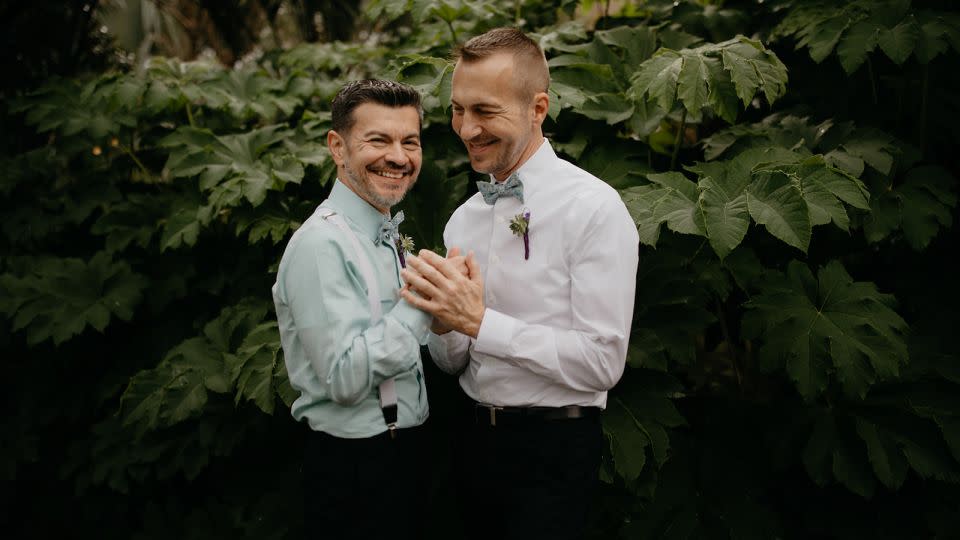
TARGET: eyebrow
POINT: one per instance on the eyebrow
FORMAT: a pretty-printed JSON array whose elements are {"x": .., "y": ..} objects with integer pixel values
[
  {"x": 481, "y": 105},
  {"x": 371, "y": 134}
]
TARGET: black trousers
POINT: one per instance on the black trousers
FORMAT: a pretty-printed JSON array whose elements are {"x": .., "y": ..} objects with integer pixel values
[
  {"x": 365, "y": 488},
  {"x": 531, "y": 480}
]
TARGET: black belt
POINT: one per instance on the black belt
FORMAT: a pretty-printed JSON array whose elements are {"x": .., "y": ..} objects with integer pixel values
[
  {"x": 492, "y": 415},
  {"x": 408, "y": 432}
]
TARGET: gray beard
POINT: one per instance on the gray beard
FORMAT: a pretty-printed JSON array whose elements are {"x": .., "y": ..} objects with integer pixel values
[{"x": 366, "y": 187}]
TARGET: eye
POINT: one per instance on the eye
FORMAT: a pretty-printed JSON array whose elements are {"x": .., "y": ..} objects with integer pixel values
[{"x": 411, "y": 143}]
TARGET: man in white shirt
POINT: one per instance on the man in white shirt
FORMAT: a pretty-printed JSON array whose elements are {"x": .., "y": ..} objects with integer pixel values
[{"x": 538, "y": 327}]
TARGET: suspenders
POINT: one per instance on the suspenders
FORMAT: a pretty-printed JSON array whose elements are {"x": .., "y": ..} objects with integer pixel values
[{"x": 387, "y": 389}]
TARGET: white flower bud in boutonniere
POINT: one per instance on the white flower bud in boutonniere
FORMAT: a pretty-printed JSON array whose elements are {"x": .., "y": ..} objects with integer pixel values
[
  {"x": 404, "y": 246},
  {"x": 520, "y": 225}
]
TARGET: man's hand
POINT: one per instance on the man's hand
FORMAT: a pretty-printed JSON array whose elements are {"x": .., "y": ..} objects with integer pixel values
[
  {"x": 459, "y": 262},
  {"x": 440, "y": 287}
]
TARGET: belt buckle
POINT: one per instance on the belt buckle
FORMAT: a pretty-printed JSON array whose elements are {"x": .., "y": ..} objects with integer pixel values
[{"x": 492, "y": 409}]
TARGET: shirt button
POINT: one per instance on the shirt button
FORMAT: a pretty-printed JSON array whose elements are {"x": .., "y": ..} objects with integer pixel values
[{"x": 495, "y": 259}]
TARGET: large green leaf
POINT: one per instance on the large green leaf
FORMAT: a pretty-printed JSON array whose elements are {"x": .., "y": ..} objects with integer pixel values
[
  {"x": 723, "y": 202},
  {"x": 898, "y": 42},
  {"x": 694, "y": 77},
  {"x": 827, "y": 327},
  {"x": 59, "y": 298},
  {"x": 232, "y": 168},
  {"x": 670, "y": 313},
  {"x": 627, "y": 441},
  {"x": 671, "y": 199},
  {"x": 177, "y": 388},
  {"x": 920, "y": 206},
  {"x": 777, "y": 203},
  {"x": 860, "y": 41},
  {"x": 658, "y": 78},
  {"x": 256, "y": 367},
  {"x": 638, "y": 418}
]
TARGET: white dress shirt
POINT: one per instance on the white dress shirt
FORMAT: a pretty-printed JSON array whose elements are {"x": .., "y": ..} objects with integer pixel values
[{"x": 556, "y": 325}]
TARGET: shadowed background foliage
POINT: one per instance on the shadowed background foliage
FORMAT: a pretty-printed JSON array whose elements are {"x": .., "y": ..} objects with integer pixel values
[{"x": 793, "y": 368}]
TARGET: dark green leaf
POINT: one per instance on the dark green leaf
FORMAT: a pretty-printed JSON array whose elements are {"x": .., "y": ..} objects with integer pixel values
[{"x": 898, "y": 42}]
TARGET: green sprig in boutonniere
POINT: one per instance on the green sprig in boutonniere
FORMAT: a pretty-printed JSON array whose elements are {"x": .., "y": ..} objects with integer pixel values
[
  {"x": 404, "y": 245},
  {"x": 520, "y": 225}
]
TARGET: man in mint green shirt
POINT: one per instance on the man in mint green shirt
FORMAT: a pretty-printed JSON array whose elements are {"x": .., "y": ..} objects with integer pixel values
[{"x": 349, "y": 341}]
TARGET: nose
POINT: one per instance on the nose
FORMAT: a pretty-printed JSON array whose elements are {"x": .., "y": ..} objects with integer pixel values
[
  {"x": 469, "y": 128},
  {"x": 396, "y": 155}
]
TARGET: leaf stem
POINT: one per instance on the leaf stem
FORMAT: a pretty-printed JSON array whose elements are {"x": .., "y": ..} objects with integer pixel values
[
  {"x": 516, "y": 14},
  {"x": 731, "y": 348},
  {"x": 135, "y": 159},
  {"x": 873, "y": 80},
  {"x": 923, "y": 108},
  {"x": 453, "y": 32},
  {"x": 190, "y": 115},
  {"x": 677, "y": 139}
]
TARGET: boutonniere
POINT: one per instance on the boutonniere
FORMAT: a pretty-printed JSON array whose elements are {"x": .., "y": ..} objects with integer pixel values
[
  {"x": 520, "y": 225},
  {"x": 404, "y": 245}
]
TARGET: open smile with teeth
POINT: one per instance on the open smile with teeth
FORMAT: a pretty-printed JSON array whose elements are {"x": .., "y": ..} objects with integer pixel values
[{"x": 394, "y": 175}]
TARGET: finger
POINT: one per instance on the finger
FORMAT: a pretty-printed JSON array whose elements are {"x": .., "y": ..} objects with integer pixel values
[
  {"x": 474, "y": 268},
  {"x": 427, "y": 271},
  {"x": 418, "y": 282},
  {"x": 414, "y": 290},
  {"x": 459, "y": 263},
  {"x": 418, "y": 302},
  {"x": 441, "y": 264},
  {"x": 453, "y": 253}
]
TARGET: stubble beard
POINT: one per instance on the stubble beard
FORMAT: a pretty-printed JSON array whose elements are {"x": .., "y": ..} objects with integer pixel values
[
  {"x": 363, "y": 184},
  {"x": 505, "y": 160}
]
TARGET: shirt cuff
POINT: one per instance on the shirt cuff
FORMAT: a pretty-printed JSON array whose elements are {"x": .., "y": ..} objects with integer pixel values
[
  {"x": 496, "y": 334},
  {"x": 418, "y": 322}
]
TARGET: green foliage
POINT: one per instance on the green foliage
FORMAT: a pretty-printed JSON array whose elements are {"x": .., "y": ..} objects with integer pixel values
[
  {"x": 854, "y": 30},
  {"x": 791, "y": 361},
  {"x": 712, "y": 75},
  {"x": 781, "y": 190},
  {"x": 813, "y": 327},
  {"x": 57, "y": 298}
]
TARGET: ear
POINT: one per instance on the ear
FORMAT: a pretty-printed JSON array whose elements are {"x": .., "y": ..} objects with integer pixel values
[
  {"x": 336, "y": 144},
  {"x": 541, "y": 104}
]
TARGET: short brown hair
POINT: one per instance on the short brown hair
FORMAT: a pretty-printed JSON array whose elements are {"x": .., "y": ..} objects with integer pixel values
[
  {"x": 532, "y": 72},
  {"x": 381, "y": 92}
]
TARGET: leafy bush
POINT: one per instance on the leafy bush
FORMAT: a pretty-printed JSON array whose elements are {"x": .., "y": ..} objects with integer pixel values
[{"x": 793, "y": 371}]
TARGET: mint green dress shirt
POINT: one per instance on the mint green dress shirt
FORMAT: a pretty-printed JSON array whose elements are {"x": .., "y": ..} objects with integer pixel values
[{"x": 335, "y": 357}]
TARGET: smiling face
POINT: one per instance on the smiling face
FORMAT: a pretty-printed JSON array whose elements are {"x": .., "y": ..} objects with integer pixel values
[
  {"x": 379, "y": 156},
  {"x": 495, "y": 117}
]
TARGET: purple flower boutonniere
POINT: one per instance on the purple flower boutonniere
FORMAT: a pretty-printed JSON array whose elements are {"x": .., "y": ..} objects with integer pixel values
[
  {"x": 520, "y": 225},
  {"x": 404, "y": 245}
]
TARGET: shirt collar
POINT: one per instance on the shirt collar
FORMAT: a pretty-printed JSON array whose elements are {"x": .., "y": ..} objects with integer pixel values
[
  {"x": 348, "y": 204},
  {"x": 536, "y": 167}
]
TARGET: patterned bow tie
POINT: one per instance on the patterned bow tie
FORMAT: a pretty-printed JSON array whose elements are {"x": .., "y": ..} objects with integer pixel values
[
  {"x": 388, "y": 229},
  {"x": 492, "y": 191}
]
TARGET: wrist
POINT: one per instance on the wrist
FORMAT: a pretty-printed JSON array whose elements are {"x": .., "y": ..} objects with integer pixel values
[
  {"x": 473, "y": 326},
  {"x": 439, "y": 328}
]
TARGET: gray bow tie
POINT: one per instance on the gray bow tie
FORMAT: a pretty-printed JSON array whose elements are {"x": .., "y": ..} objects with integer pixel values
[
  {"x": 388, "y": 229},
  {"x": 492, "y": 191}
]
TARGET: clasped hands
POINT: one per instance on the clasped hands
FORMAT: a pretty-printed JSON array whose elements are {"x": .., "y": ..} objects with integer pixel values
[{"x": 450, "y": 289}]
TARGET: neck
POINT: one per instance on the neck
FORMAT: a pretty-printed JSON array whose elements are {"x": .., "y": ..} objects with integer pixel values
[
  {"x": 528, "y": 152},
  {"x": 342, "y": 178}
]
